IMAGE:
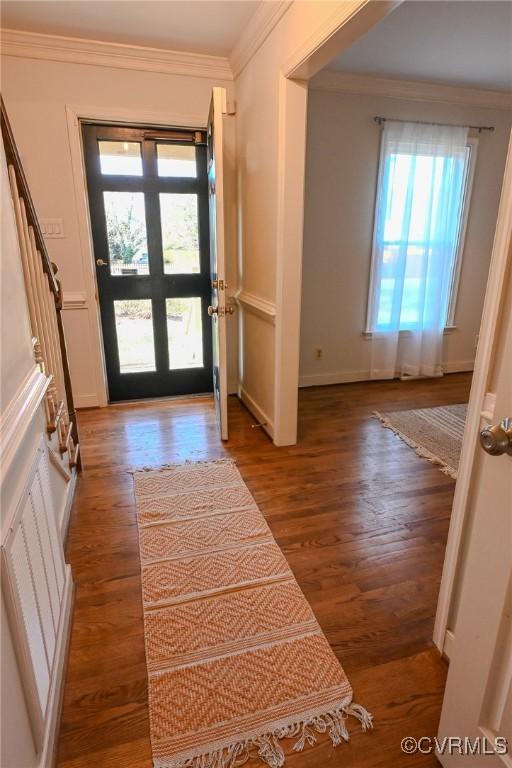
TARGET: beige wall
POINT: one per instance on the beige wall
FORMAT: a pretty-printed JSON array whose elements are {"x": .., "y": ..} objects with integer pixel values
[
  {"x": 266, "y": 208},
  {"x": 16, "y": 353},
  {"x": 16, "y": 363},
  {"x": 341, "y": 171},
  {"x": 36, "y": 93}
]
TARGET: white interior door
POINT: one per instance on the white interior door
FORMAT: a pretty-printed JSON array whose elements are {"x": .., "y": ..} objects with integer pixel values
[
  {"x": 478, "y": 696},
  {"x": 217, "y": 309}
]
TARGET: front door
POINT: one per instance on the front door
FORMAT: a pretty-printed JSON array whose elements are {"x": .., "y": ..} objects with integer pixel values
[
  {"x": 219, "y": 307},
  {"x": 148, "y": 200}
]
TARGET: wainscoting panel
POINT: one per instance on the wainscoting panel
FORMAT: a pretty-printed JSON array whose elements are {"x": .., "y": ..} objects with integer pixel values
[{"x": 34, "y": 576}]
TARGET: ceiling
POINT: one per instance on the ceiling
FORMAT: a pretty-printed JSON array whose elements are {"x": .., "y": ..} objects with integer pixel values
[
  {"x": 198, "y": 26},
  {"x": 454, "y": 42}
]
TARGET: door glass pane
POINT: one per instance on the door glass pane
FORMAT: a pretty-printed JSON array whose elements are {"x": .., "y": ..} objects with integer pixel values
[
  {"x": 126, "y": 233},
  {"x": 121, "y": 158},
  {"x": 134, "y": 329},
  {"x": 176, "y": 160},
  {"x": 184, "y": 332},
  {"x": 180, "y": 236}
]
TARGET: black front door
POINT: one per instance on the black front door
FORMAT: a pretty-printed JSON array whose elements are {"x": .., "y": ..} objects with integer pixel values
[{"x": 148, "y": 199}]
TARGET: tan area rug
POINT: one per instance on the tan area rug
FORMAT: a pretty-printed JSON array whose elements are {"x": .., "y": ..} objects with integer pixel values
[
  {"x": 236, "y": 659},
  {"x": 434, "y": 433}
]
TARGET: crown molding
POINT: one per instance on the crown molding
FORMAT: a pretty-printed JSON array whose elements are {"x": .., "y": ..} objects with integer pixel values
[
  {"x": 412, "y": 90},
  {"x": 261, "y": 24},
  {"x": 74, "y": 50}
]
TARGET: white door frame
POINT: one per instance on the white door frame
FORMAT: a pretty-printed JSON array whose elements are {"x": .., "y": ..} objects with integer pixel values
[
  {"x": 480, "y": 405},
  {"x": 75, "y": 113},
  {"x": 348, "y": 22}
]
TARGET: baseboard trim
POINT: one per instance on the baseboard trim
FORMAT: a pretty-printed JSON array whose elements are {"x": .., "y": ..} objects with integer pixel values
[
  {"x": 57, "y": 462},
  {"x": 87, "y": 401},
  {"x": 460, "y": 366},
  {"x": 48, "y": 753},
  {"x": 449, "y": 640},
  {"x": 337, "y": 377},
  {"x": 348, "y": 377},
  {"x": 66, "y": 507},
  {"x": 257, "y": 411}
]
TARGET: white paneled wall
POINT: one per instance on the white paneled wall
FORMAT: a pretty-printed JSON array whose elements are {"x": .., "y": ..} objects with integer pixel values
[
  {"x": 34, "y": 576},
  {"x": 36, "y": 492}
]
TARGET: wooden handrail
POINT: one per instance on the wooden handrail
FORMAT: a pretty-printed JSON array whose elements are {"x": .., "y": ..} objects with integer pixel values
[
  {"x": 45, "y": 304},
  {"x": 13, "y": 158}
]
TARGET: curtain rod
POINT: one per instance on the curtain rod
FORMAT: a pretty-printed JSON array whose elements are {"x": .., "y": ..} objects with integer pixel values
[{"x": 380, "y": 120}]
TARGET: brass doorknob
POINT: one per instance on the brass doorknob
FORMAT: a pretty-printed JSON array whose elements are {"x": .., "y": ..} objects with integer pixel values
[
  {"x": 230, "y": 309},
  {"x": 496, "y": 439},
  {"x": 101, "y": 263},
  {"x": 213, "y": 311}
]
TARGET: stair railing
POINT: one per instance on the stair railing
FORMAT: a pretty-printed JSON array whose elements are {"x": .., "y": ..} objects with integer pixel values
[{"x": 44, "y": 298}]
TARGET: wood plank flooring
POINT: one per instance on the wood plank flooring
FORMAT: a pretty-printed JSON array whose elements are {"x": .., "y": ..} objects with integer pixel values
[{"x": 361, "y": 519}]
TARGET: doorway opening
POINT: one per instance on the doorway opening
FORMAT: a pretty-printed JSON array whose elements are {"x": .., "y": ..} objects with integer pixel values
[
  {"x": 148, "y": 201},
  {"x": 404, "y": 169}
]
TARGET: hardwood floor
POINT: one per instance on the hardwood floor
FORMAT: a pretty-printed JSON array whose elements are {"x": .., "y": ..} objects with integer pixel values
[{"x": 361, "y": 519}]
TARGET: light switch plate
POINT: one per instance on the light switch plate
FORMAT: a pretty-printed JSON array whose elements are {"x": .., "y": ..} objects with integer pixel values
[{"x": 52, "y": 228}]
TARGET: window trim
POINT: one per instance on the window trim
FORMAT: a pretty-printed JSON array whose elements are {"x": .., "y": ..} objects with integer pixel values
[{"x": 472, "y": 144}]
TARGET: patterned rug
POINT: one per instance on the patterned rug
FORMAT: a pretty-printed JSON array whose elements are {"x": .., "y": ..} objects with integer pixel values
[
  {"x": 435, "y": 433},
  {"x": 236, "y": 659}
]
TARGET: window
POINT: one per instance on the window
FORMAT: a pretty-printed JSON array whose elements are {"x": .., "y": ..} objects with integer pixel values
[{"x": 422, "y": 199}]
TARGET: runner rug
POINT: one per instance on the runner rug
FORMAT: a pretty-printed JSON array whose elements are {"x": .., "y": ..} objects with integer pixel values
[
  {"x": 434, "y": 433},
  {"x": 236, "y": 659}
]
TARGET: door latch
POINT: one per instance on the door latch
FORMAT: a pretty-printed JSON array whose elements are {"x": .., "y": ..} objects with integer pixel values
[{"x": 496, "y": 439}]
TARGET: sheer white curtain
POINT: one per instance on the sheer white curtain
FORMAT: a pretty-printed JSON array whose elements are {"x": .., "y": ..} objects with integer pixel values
[{"x": 422, "y": 179}]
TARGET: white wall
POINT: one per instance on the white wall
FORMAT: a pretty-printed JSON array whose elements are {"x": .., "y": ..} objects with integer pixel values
[
  {"x": 270, "y": 156},
  {"x": 23, "y": 441},
  {"x": 16, "y": 364},
  {"x": 341, "y": 173},
  {"x": 36, "y": 93},
  {"x": 16, "y": 352}
]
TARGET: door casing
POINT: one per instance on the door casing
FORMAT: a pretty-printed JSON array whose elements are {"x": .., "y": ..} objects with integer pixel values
[{"x": 88, "y": 300}]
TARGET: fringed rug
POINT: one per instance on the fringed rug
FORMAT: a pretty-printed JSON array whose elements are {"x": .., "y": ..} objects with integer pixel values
[
  {"x": 236, "y": 659},
  {"x": 434, "y": 433}
]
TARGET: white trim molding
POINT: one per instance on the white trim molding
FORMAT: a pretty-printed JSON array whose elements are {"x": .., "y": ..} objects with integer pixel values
[
  {"x": 261, "y": 24},
  {"x": 348, "y": 377},
  {"x": 495, "y": 296},
  {"x": 449, "y": 640},
  {"x": 88, "y": 400},
  {"x": 411, "y": 90},
  {"x": 336, "y": 377},
  {"x": 257, "y": 411},
  {"x": 349, "y": 20},
  {"x": 459, "y": 366},
  {"x": 73, "y": 50},
  {"x": 47, "y": 759},
  {"x": 74, "y": 300},
  {"x": 16, "y": 418},
  {"x": 257, "y": 306}
]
